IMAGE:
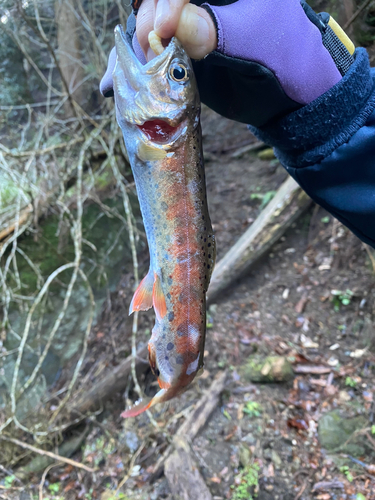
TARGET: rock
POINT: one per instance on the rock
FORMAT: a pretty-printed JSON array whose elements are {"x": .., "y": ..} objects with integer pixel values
[
  {"x": 336, "y": 433},
  {"x": 276, "y": 459},
  {"x": 269, "y": 369},
  {"x": 245, "y": 455},
  {"x": 129, "y": 440}
]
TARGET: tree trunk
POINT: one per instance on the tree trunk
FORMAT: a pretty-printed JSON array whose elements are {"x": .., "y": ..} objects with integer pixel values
[{"x": 69, "y": 50}]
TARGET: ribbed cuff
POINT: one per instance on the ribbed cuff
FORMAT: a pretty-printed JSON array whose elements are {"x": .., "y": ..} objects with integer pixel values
[{"x": 310, "y": 134}]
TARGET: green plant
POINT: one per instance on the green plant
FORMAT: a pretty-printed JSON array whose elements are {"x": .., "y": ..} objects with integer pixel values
[
  {"x": 253, "y": 409},
  {"x": 9, "y": 480},
  {"x": 54, "y": 487},
  {"x": 341, "y": 298},
  {"x": 373, "y": 429},
  {"x": 263, "y": 198},
  {"x": 350, "y": 382},
  {"x": 345, "y": 470},
  {"x": 325, "y": 220},
  {"x": 246, "y": 483}
]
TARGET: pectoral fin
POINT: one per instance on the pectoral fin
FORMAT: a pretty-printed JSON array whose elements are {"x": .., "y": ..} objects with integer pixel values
[
  {"x": 142, "y": 299},
  {"x": 149, "y": 153},
  {"x": 159, "y": 303}
]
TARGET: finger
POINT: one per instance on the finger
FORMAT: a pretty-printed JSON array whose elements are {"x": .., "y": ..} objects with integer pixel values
[
  {"x": 196, "y": 31},
  {"x": 145, "y": 24},
  {"x": 167, "y": 15}
]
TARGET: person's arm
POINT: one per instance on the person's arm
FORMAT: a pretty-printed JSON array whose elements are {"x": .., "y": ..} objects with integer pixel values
[{"x": 295, "y": 78}]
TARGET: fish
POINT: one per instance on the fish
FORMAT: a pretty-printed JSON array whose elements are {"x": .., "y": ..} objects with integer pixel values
[{"x": 158, "y": 110}]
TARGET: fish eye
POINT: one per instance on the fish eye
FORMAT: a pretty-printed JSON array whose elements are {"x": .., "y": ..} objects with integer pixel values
[{"x": 179, "y": 72}]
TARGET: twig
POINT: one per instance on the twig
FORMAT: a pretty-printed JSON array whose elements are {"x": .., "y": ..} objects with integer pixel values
[
  {"x": 41, "y": 484},
  {"x": 47, "y": 453},
  {"x": 49, "y": 149},
  {"x": 131, "y": 465},
  {"x": 356, "y": 14}
]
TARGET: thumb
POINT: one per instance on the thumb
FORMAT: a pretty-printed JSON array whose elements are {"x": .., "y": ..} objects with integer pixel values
[{"x": 196, "y": 31}]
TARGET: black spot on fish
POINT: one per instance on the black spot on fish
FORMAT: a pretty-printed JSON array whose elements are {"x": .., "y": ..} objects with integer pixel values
[
  {"x": 170, "y": 346},
  {"x": 179, "y": 360},
  {"x": 204, "y": 265},
  {"x": 157, "y": 372},
  {"x": 209, "y": 245},
  {"x": 208, "y": 266},
  {"x": 205, "y": 276},
  {"x": 183, "y": 329},
  {"x": 166, "y": 358},
  {"x": 209, "y": 256},
  {"x": 171, "y": 316},
  {"x": 164, "y": 205},
  {"x": 205, "y": 240},
  {"x": 168, "y": 296},
  {"x": 170, "y": 281},
  {"x": 202, "y": 217}
]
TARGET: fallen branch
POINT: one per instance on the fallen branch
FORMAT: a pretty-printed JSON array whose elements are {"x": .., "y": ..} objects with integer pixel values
[
  {"x": 49, "y": 454},
  {"x": 23, "y": 219},
  {"x": 113, "y": 382},
  {"x": 247, "y": 148},
  {"x": 196, "y": 420},
  {"x": 182, "y": 473},
  {"x": 289, "y": 203}
]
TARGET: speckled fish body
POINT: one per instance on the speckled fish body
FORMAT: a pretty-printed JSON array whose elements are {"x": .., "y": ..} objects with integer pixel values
[{"x": 158, "y": 110}]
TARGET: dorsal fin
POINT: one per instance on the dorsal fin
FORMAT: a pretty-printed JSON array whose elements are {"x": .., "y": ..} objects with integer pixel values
[
  {"x": 142, "y": 298},
  {"x": 158, "y": 297}
]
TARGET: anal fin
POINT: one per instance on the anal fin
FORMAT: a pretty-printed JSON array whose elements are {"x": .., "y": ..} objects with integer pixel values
[
  {"x": 142, "y": 298},
  {"x": 145, "y": 404},
  {"x": 158, "y": 299}
]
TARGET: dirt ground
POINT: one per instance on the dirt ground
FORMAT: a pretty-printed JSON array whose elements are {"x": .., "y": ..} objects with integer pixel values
[{"x": 263, "y": 440}]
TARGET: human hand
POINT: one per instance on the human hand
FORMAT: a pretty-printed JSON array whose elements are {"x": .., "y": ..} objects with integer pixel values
[
  {"x": 192, "y": 25},
  {"x": 266, "y": 58}
]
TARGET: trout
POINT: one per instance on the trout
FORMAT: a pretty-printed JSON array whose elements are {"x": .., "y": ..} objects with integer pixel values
[{"x": 158, "y": 110}]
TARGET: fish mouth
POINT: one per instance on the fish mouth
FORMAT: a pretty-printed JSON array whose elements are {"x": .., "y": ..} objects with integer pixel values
[{"x": 161, "y": 132}]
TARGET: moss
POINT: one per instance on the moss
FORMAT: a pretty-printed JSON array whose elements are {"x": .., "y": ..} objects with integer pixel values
[{"x": 269, "y": 369}]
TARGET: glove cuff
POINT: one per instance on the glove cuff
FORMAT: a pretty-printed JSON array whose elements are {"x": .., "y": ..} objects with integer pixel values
[{"x": 310, "y": 134}]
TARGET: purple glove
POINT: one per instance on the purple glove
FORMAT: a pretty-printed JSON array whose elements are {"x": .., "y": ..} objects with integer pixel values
[
  {"x": 272, "y": 58},
  {"x": 278, "y": 35}
]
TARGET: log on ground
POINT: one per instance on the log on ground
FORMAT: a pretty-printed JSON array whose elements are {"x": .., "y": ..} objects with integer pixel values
[
  {"x": 289, "y": 203},
  {"x": 196, "y": 420},
  {"x": 182, "y": 473},
  {"x": 113, "y": 382}
]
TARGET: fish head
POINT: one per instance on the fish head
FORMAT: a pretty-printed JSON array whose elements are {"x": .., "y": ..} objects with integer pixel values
[{"x": 158, "y": 102}]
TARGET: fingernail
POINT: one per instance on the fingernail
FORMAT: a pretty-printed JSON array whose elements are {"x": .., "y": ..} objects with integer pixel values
[
  {"x": 162, "y": 11},
  {"x": 194, "y": 26}
]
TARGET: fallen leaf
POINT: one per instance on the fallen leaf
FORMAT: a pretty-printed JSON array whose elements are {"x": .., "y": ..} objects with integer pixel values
[
  {"x": 358, "y": 353},
  {"x": 298, "y": 423},
  {"x": 301, "y": 304},
  {"x": 215, "y": 479}
]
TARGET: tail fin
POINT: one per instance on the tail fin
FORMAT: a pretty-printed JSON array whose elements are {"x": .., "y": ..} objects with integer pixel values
[{"x": 144, "y": 405}]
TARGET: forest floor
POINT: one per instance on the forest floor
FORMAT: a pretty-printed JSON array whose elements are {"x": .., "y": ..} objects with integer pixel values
[{"x": 310, "y": 302}]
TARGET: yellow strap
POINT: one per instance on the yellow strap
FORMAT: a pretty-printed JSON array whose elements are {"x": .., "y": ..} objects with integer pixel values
[{"x": 341, "y": 35}]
